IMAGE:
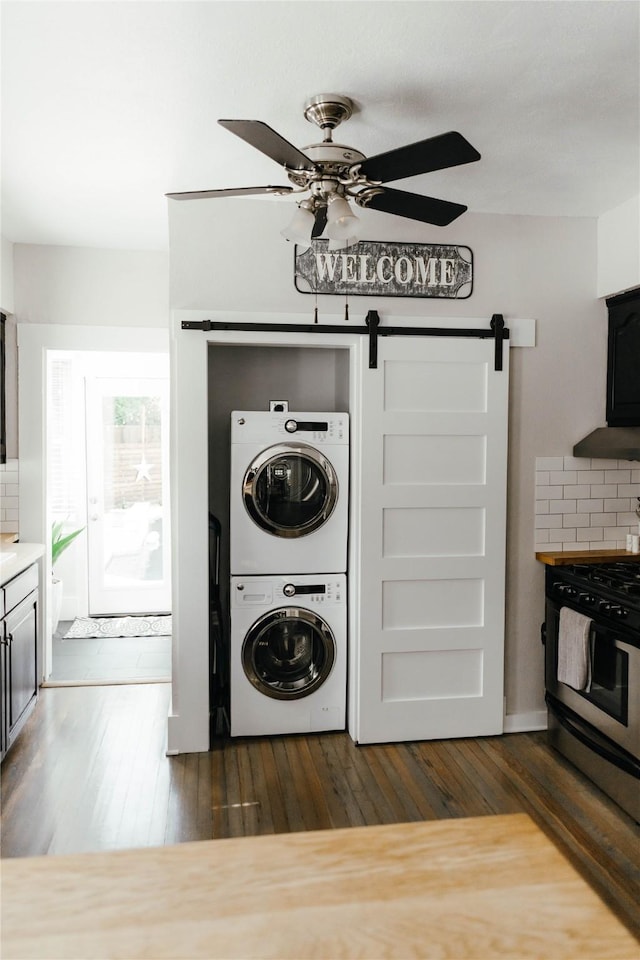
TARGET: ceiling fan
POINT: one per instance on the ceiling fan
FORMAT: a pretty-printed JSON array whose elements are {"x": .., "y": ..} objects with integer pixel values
[{"x": 332, "y": 173}]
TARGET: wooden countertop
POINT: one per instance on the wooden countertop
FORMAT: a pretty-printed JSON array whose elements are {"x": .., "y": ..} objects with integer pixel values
[
  {"x": 477, "y": 888},
  {"x": 555, "y": 559},
  {"x": 16, "y": 557}
]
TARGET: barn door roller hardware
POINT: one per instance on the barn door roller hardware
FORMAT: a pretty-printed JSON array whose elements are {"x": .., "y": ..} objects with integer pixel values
[{"x": 372, "y": 328}]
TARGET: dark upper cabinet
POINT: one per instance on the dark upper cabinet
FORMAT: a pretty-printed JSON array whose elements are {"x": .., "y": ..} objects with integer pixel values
[{"x": 623, "y": 368}]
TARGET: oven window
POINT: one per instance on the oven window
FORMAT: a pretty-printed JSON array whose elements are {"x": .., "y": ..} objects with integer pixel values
[{"x": 609, "y": 676}]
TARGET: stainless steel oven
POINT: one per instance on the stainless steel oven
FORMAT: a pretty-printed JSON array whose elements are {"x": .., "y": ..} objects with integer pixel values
[{"x": 598, "y": 727}]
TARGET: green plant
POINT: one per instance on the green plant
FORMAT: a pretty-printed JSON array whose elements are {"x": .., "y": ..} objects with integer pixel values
[{"x": 59, "y": 543}]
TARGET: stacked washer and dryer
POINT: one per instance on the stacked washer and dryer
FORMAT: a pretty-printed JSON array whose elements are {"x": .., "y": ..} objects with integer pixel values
[{"x": 288, "y": 545}]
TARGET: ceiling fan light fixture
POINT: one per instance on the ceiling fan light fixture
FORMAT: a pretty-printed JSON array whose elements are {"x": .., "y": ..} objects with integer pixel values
[
  {"x": 342, "y": 223},
  {"x": 301, "y": 224}
]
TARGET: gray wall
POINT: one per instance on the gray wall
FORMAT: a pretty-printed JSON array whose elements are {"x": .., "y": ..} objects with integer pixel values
[{"x": 537, "y": 267}]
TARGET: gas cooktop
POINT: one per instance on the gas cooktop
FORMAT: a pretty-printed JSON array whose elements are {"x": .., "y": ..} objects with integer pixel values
[{"x": 607, "y": 591}]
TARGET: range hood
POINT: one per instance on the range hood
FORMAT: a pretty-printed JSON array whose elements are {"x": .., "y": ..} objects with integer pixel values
[
  {"x": 620, "y": 440},
  {"x": 610, "y": 443}
]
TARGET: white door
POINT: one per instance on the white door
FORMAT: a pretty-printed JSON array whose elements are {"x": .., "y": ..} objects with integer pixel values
[
  {"x": 431, "y": 560},
  {"x": 128, "y": 495}
]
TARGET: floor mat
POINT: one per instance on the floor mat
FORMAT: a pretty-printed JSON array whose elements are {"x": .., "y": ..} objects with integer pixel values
[{"x": 85, "y": 628}]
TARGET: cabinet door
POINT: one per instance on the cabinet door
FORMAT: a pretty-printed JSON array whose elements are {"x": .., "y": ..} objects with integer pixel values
[
  {"x": 3, "y": 690},
  {"x": 430, "y": 564},
  {"x": 21, "y": 661},
  {"x": 623, "y": 382}
]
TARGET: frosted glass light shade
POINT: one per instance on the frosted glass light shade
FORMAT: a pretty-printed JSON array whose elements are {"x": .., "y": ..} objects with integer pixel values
[
  {"x": 301, "y": 225},
  {"x": 341, "y": 222}
]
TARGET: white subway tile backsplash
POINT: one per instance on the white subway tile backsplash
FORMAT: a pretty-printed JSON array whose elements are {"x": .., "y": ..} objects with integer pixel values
[
  {"x": 576, "y": 520},
  {"x": 604, "y": 490},
  {"x": 566, "y": 535},
  {"x": 591, "y": 476},
  {"x": 603, "y": 519},
  {"x": 562, "y": 506},
  {"x": 577, "y": 492},
  {"x": 617, "y": 504},
  {"x": 590, "y": 506},
  {"x": 549, "y": 493},
  {"x": 584, "y": 503},
  {"x": 549, "y": 521},
  {"x": 9, "y": 497},
  {"x": 549, "y": 463},
  {"x": 615, "y": 533},
  {"x": 562, "y": 476},
  {"x": 590, "y": 533},
  {"x": 617, "y": 476}
]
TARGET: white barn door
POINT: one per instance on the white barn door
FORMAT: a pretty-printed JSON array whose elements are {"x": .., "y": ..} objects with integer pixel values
[{"x": 431, "y": 557}]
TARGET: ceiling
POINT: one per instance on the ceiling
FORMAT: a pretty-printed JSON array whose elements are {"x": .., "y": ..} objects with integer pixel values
[{"x": 106, "y": 106}]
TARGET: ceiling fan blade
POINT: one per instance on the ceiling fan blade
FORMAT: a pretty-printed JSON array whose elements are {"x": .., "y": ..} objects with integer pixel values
[
  {"x": 261, "y": 136},
  {"x": 321, "y": 222},
  {"x": 435, "y": 153},
  {"x": 415, "y": 207},
  {"x": 230, "y": 192}
]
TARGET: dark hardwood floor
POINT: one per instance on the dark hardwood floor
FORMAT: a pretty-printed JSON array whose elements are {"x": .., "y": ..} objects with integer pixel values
[{"x": 89, "y": 772}]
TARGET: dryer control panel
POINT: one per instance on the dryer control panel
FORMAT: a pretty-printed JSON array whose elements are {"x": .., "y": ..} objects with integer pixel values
[{"x": 248, "y": 426}]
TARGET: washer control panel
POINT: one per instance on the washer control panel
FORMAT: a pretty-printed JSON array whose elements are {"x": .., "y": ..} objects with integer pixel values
[{"x": 303, "y": 589}]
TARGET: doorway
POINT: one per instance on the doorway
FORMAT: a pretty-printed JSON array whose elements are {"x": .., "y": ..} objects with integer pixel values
[{"x": 107, "y": 470}]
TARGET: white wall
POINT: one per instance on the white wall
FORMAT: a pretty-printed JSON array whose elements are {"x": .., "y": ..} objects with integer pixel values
[
  {"x": 619, "y": 248},
  {"x": 6, "y": 276},
  {"x": 228, "y": 255},
  {"x": 94, "y": 287}
]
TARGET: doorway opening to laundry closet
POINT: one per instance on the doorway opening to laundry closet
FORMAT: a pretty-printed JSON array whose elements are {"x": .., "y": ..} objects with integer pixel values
[{"x": 243, "y": 377}]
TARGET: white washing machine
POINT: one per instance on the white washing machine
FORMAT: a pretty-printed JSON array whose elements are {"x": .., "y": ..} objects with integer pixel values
[
  {"x": 289, "y": 492},
  {"x": 288, "y": 654}
]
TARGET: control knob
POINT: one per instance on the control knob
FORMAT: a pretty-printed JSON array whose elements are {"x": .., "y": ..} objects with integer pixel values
[
  {"x": 291, "y": 426},
  {"x": 289, "y": 590},
  {"x": 613, "y": 609}
]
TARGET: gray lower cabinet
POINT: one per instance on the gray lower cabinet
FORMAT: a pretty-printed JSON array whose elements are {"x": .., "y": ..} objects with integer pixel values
[{"x": 18, "y": 654}]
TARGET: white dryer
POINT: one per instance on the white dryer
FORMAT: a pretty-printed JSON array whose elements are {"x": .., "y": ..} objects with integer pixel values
[
  {"x": 289, "y": 505},
  {"x": 288, "y": 654}
]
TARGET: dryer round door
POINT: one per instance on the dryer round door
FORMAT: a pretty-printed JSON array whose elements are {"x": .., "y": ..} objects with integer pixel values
[
  {"x": 289, "y": 490},
  {"x": 288, "y": 653}
]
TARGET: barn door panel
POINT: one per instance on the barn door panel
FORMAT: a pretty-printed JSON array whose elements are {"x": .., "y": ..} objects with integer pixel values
[{"x": 430, "y": 623}]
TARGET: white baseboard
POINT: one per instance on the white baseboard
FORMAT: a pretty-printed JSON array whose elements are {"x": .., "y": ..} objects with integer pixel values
[{"x": 525, "y": 722}]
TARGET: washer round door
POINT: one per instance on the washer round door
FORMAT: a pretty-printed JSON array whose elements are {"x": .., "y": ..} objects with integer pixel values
[
  {"x": 288, "y": 653},
  {"x": 290, "y": 490}
]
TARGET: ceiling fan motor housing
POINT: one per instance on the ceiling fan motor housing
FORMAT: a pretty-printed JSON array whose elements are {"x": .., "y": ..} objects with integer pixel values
[{"x": 327, "y": 110}]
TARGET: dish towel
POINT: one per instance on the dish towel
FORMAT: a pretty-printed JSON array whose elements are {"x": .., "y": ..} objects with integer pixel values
[{"x": 574, "y": 661}]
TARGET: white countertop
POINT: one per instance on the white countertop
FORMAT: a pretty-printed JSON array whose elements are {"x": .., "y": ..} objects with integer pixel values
[{"x": 16, "y": 557}]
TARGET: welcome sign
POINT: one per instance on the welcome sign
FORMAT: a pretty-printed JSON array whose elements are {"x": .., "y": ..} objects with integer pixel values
[{"x": 381, "y": 269}]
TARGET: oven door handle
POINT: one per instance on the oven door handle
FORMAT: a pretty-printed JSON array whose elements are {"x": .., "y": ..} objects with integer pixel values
[{"x": 590, "y": 739}]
